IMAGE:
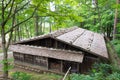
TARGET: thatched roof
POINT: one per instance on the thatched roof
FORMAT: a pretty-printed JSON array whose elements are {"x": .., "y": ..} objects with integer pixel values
[
  {"x": 48, "y": 52},
  {"x": 83, "y": 39}
]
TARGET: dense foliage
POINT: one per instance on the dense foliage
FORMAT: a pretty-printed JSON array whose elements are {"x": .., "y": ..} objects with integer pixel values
[
  {"x": 99, "y": 72},
  {"x": 116, "y": 44},
  {"x": 96, "y": 15}
]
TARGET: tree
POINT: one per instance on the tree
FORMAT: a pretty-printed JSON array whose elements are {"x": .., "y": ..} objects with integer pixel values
[
  {"x": 115, "y": 19},
  {"x": 8, "y": 15}
]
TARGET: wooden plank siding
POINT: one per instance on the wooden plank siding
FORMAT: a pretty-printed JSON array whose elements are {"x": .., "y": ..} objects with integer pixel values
[
  {"x": 48, "y": 52},
  {"x": 46, "y": 63},
  {"x": 31, "y": 59},
  {"x": 87, "y": 64}
]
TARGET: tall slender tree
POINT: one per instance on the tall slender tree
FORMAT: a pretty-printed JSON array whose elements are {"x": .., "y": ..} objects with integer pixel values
[
  {"x": 115, "y": 20},
  {"x": 9, "y": 11}
]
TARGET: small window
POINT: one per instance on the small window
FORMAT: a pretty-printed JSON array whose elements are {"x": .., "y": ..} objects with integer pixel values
[
  {"x": 18, "y": 56},
  {"x": 42, "y": 61},
  {"x": 29, "y": 58}
]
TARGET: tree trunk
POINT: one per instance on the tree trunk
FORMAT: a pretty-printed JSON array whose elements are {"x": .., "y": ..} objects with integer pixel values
[
  {"x": 36, "y": 25},
  {"x": 27, "y": 31},
  {"x": 5, "y": 17},
  {"x": 14, "y": 39},
  {"x": 5, "y": 64},
  {"x": 44, "y": 28},
  {"x": 41, "y": 26},
  {"x": 99, "y": 17},
  {"x": 115, "y": 21},
  {"x": 50, "y": 24}
]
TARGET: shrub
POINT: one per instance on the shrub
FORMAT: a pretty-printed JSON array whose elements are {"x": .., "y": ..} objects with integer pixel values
[
  {"x": 105, "y": 69},
  {"x": 80, "y": 77},
  {"x": 20, "y": 76},
  {"x": 114, "y": 76},
  {"x": 116, "y": 44},
  {"x": 100, "y": 71}
]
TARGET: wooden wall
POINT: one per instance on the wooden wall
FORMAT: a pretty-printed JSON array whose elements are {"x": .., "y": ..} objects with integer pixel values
[
  {"x": 51, "y": 43},
  {"x": 55, "y": 64},
  {"x": 35, "y": 60},
  {"x": 87, "y": 64}
]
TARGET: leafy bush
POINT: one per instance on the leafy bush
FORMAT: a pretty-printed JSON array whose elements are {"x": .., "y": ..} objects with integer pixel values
[
  {"x": 100, "y": 71},
  {"x": 80, "y": 77},
  {"x": 116, "y": 44},
  {"x": 105, "y": 69},
  {"x": 96, "y": 76},
  {"x": 21, "y": 76},
  {"x": 114, "y": 76}
]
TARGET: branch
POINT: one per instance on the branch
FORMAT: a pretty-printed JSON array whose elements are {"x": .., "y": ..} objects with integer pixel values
[
  {"x": 10, "y": 36},
  {"x": 9, "y": 12},
  {"x": 19, "y": 9},
  {"x": 8, "y": 4},
  {"x": 22, "y": 7},
  {"x": 23, "y": 20},
  {"x": 2, "y": 23}
]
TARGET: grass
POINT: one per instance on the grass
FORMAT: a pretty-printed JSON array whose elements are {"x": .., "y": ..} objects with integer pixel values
[
  {"x": 1, "y": 50},
  {"x": 38, "y": 76},
  {"x": 47, "y": 76}
]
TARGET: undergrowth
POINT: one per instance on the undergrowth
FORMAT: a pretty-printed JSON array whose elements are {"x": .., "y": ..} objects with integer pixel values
[
  {"x": 99, "y": 72},
  {"x": 116, "y": 44}
]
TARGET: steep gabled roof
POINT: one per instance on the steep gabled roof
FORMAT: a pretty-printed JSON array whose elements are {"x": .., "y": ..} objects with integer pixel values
[{"x": 83, "y": 39}]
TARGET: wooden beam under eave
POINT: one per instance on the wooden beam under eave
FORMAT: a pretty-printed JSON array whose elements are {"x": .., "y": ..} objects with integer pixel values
[{"x": 48, "y": 52}]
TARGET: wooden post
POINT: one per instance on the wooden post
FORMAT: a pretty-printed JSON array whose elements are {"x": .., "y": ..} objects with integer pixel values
[
  {"x": 55, "y": 44},
  {"x": 61, "y": 66},
  {"x": 33, "y": 59},
  {"x": 78, "y": 67},
  {"x": 47, "y": 64}
]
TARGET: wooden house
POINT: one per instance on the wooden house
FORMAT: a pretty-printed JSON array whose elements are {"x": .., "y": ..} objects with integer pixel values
[{"x": 57, "y": 51}]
